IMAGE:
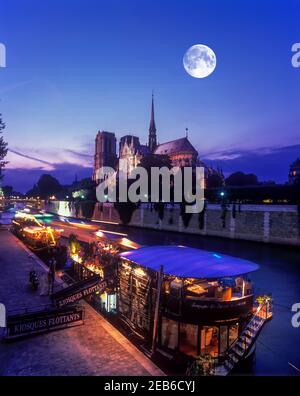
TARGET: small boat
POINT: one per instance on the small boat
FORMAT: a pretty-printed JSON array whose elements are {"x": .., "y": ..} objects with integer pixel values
[{"x": 34, "y": 232}]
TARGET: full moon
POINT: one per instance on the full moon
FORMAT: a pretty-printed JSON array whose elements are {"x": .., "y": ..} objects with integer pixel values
[{"x": 199, "y": 61}]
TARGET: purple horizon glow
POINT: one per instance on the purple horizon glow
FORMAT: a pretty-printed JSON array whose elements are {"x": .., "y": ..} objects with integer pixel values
[{"x": 273, "y": 162}]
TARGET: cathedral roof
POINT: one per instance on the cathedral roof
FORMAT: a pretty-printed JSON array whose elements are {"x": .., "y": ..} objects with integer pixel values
[{"x": 181, "y": 145}]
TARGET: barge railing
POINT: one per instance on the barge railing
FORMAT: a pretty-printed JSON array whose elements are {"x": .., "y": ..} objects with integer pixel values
[{"x": 245, "y": 341}]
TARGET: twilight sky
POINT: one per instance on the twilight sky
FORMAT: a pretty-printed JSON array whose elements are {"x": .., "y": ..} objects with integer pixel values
[{"x": 77, "y": 66}]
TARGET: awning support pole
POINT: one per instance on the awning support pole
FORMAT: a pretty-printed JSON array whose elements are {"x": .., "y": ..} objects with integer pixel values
[{"x": 156, "y": 313}]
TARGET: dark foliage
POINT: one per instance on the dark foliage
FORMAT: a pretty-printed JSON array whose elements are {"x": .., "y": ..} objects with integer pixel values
[
  {"x": 234, "y": 211},
  {"x": 201, "y": 217},
  {"x": 45, "y": 187},
  {"x": 214, "y": 180},
  {"x": 186, "y": 217},
  {"x": 3, "y": 149},
  {"x": 87, "y": 208},
  {"x": 223, "y": 213},
  {"x": 257, "y": 194},
  {"x": 241, "y": 179},
  {"x": 125, "y": 210},
  {"x": 160, "y": 209}
]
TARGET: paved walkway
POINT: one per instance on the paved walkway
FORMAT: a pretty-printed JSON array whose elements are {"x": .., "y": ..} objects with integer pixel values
[{"x": 96, "y": 348}]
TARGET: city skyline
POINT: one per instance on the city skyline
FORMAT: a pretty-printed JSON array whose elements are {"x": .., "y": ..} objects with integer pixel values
[{"x": 61, "y": 87}]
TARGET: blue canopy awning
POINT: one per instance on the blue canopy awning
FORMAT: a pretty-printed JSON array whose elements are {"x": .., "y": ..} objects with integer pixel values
[{"x": 188, "y": 262}]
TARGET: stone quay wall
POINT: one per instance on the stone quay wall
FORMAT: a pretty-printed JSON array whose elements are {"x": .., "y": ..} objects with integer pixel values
[{"x": 263, "y": 223}]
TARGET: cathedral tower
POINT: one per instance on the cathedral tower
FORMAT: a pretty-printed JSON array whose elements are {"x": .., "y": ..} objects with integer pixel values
[{"x": 105, "y": 152}]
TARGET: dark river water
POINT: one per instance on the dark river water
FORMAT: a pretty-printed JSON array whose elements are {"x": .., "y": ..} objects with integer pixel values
[{"x": 278, "y": 346}]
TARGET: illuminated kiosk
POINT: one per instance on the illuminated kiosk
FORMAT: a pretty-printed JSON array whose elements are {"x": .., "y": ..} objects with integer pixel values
[
  {"x": 102, "y": 261},
  {"x": 206, "y": 302}
]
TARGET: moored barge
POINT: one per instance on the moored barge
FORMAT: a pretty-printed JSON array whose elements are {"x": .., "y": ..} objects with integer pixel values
[
  {"x": 182, "y": 303},
  {"x": 34, "y": 232},
  {"x": 206, "y": 304}
]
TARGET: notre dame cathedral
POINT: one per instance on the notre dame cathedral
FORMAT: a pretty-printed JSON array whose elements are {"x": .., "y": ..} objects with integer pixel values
[{"x": 180, "y": 151}]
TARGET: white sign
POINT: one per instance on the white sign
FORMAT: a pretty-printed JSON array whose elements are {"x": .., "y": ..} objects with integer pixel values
[{"x": 2, "y": 315}]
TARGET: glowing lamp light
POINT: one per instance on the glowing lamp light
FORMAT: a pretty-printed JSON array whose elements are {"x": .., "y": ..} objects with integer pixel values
[
  {"x": 105, "y": 222},
  {"x": 32, "y": 230},
  {"x": 99, "y": 234},
  {"x": 217, "y": 256},
  {"x": 128, "y": 243},
  {"x": 112, "y": 232},
  {"x": 222, "y": 193},
  {"x": 139, "y": 272},
  {"x": 76, "y": 258}
]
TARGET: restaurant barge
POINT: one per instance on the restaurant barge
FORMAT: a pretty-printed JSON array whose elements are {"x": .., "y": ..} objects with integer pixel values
[
  {"x": 184, "y": 303},
  {"x": 206, "y": 303}
]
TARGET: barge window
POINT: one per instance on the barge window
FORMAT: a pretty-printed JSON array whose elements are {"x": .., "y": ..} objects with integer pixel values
[
  {"x": 209, "y": 341},
  {"x": 169, "y": 333},
  {"x": 223, "y": 339},
  {"x": 188, "y": 339},
  {"x": 233, "y": 333}
]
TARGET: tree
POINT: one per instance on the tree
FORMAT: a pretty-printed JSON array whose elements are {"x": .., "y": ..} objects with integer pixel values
[
  {"x": 45, "y": 187},
  {"x": 294, "y": 174},
  {"x": 3, "y": 148},
  {"x": 241, "y": 179},
  {"x": 214, "y": 180},
  {"x": 8, "y": 191}
]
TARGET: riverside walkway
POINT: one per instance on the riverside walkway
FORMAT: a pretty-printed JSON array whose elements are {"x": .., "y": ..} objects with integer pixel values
[{"x": 96, "y": 348}]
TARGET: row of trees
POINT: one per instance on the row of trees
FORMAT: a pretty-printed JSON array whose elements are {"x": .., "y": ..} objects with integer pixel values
[
  {"x": 237, "y": 179},
  {"x": 3, "y": 148},
  {"x": 48, "y": 186}
]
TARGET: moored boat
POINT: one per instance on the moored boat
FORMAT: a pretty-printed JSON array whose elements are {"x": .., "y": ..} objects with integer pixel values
[
  {"x": 187, "y": 305},
  {"x": 35, "y": 233}
]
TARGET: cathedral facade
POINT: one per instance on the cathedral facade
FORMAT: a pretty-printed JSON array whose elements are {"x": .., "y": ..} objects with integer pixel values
[{"x": 180, "y": 151}]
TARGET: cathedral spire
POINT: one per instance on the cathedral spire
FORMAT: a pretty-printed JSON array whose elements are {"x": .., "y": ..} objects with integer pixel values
[{"x": 152, "y": 129}]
